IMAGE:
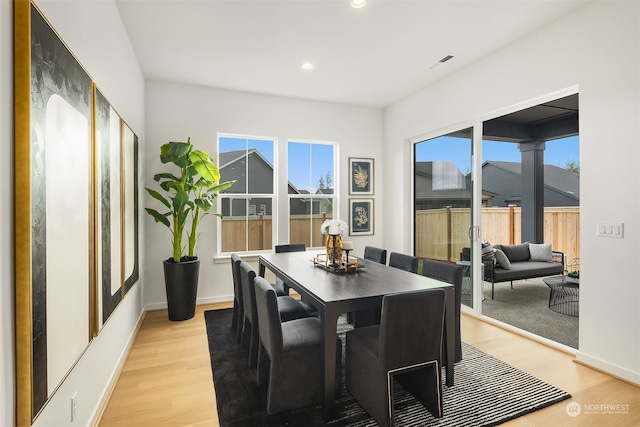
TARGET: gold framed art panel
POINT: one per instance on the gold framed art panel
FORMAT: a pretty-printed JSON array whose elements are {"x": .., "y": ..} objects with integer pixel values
[{"x": 59, "y": 205}]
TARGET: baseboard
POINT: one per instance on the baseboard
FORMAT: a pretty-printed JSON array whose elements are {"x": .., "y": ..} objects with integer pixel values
[
  {"x": 610, "y": 369},
  {"x": 200, "y": 301}
]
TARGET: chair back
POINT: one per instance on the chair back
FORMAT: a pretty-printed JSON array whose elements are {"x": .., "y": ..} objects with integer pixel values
[
  {"x": 444, "y": 271},
  {"x": 291, "y": 247},
  {"x": 403, "y": 262},
  {"x": 269, "y": 323},
  {"x": 235, "y": 272},
  {"x": 411, "y": 328},
  {"x": 247, "y": 278},
  {"x": 375, "y": 254}
]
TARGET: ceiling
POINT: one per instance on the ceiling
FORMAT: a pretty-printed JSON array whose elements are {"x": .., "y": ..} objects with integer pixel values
[{"x": 373, "y": 56}]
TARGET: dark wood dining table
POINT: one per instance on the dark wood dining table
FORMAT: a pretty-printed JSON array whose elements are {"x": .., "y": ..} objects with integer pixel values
[{"x": 333, "y": 294}]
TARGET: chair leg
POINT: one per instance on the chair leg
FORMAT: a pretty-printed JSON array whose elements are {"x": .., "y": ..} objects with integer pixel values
[
  {"x": 236, "y": 315},
  {"x": 262, "y": 373},
  {"x": 425, "y": 384},
  {"x": 254, "y": 342}
]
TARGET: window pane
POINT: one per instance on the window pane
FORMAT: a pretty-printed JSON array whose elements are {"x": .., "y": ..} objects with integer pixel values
[
  {"x": 260, "y": 226},
  {"x": 234, "y": 225},
  {"x": 311, "y": 189},
  {"x": 252, "y": 177}
]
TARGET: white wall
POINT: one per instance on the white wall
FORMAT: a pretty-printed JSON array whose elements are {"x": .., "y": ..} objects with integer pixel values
[
  {"x": 596, "y": 48},
  {"x": 95, "y": 34},
  {"x": 175, "y": 112}
]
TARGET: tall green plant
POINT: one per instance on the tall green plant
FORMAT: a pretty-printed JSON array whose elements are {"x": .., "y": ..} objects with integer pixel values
[{"x": 190, "y": 195}]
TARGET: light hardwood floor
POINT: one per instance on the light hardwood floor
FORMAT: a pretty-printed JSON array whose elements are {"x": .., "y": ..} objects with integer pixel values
[{"x": 167, "y": 380}]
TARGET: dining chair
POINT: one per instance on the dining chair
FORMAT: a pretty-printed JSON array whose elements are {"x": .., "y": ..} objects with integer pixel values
[
  {"x": 295, "y": 354},
  {"x": 403, "y": 262},
  {"x": 281, "y": 288},
  {"x": 238, "y": 304},
  {"x": 450, "y": 273},
  {"x": 405, "y": 347},
  {"x": 288, "y": 309},
  {"x": 378, "y": 255}
]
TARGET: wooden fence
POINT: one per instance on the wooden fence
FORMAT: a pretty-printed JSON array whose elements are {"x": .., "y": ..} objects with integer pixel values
[
  {"x": 302, "y": 229},
  {"x": 442, "y": 233}
]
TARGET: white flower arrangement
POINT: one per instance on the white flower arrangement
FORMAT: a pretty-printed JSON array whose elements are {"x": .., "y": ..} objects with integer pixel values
[{"x": 334, "y": 226}]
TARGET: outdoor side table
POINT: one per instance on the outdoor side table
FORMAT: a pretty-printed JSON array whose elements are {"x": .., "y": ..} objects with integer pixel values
[{"x": 564, "y": 296}]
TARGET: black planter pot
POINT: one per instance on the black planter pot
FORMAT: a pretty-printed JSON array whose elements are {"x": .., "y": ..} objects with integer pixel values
[{"x": 181, "y": 282}]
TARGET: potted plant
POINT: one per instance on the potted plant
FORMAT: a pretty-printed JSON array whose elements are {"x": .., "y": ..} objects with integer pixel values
[{"x": 188, "y": 195}]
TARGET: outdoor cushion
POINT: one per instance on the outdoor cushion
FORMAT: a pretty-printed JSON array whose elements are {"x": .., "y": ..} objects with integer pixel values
[
  {"x": 528, "y": 269},
  {"x": 517, "y": 253},
  {"x": 540, "y": 252},
  {"x": 502, "y": 259}
]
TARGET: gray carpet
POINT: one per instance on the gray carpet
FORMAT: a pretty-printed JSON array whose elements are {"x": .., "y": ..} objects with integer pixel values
[{"x": 526, "y": 306}]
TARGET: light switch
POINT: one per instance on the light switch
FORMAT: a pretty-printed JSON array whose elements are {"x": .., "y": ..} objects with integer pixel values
[{"x": 610, "y": 229}]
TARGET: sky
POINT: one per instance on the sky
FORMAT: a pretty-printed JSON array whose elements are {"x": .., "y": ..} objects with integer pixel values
[
  {"x": 307, "y": 163},
  {"x": 557, "y": 152}
]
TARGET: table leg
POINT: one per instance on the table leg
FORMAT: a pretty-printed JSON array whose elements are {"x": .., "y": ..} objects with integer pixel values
[
  {"x": 261, "y": 269},
  {"x": 329, "y": 322},
  {"x": 450, "y": 330}
]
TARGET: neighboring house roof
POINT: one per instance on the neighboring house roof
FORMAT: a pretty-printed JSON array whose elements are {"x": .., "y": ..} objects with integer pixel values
[
  {"x": 556, "y": 178},
  {"x": 227, "y": 158}
]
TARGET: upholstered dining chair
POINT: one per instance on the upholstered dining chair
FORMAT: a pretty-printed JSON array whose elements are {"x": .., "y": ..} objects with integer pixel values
[
  {"x": 450, "y": 273},
  {"x": 295, "y": 355},
  {"x": 406, "y": 347},
  {"x": 238, "y": 303},
  {"x": 288, "y": 309},
  {"x": 378, "y": 255},
  {"x": 403, "y": 262},
  {"x": 281, "y": 288}
]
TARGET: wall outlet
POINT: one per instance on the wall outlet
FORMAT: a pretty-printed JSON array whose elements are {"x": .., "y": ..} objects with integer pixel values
[{"x": 74, "y": 405}]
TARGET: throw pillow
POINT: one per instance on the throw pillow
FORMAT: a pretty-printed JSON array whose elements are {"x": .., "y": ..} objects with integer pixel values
[
  {"x": 517, "y": 253},
  {"x": 502, "y": 259},
  {"x": 540, "y": 252}
]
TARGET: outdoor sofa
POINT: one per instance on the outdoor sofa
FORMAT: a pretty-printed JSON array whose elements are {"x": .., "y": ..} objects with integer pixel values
[{"x": 519, "y": 262}]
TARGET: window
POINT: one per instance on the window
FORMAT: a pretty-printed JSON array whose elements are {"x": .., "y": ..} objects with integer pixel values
[
  {"x": 311, "y": 188},
  {"x": 250, "y": 161}
]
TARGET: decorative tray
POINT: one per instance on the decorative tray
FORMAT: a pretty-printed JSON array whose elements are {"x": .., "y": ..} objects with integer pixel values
[{"x": 322, "y": 261}]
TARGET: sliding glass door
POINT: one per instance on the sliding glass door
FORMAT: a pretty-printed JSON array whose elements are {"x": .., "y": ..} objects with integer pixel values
[{"x": 443, "y": 202}]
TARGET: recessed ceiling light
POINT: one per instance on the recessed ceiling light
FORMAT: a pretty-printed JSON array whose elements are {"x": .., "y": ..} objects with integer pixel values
[
  {"x": 307, "y": 66},
  {"x": 358, "y": 3}
]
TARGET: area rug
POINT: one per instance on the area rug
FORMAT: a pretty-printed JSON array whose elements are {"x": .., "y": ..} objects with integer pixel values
[{"x": 487, "y": 391}]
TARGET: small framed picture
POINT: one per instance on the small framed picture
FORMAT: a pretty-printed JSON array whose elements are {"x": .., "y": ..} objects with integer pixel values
[
  {"x": 360, "y": 176},
  {"x": 360, "y": 217}
]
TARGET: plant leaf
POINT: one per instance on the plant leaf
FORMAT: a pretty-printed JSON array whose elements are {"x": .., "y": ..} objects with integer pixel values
[
  {"x": 158, "y": 217},
  {"x": 205, "y": 166},
  {"x": 158, "y": 196}
]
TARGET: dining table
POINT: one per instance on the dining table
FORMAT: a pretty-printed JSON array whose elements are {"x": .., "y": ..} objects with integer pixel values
[{"x": 333, "y": 293}]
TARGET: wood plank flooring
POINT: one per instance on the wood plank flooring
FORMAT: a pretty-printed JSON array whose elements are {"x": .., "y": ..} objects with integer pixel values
[{"x": 167, "y": 380}]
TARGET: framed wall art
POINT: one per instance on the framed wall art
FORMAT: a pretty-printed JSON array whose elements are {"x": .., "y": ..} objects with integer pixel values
[
  {"x": 76, "y": 210},
  {"x": 54, "y": 180},
  {"x": 360, "y": 176},
  {"x": 361, "y": 216}
]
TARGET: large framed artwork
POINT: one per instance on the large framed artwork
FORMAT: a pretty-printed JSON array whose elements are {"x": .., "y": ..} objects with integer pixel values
[
  {"x": 361, "y": 216},
  {"x": 54, "y": 217},
  {"x": 130, "y": 255},
  {"x": 76, "y": 210},
  {"x": 108, "y": 137},
  {"x": 360, "y": 176}
]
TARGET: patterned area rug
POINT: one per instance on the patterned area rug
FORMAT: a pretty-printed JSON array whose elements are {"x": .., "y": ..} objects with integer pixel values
[{"x": 487, "y": 391}]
